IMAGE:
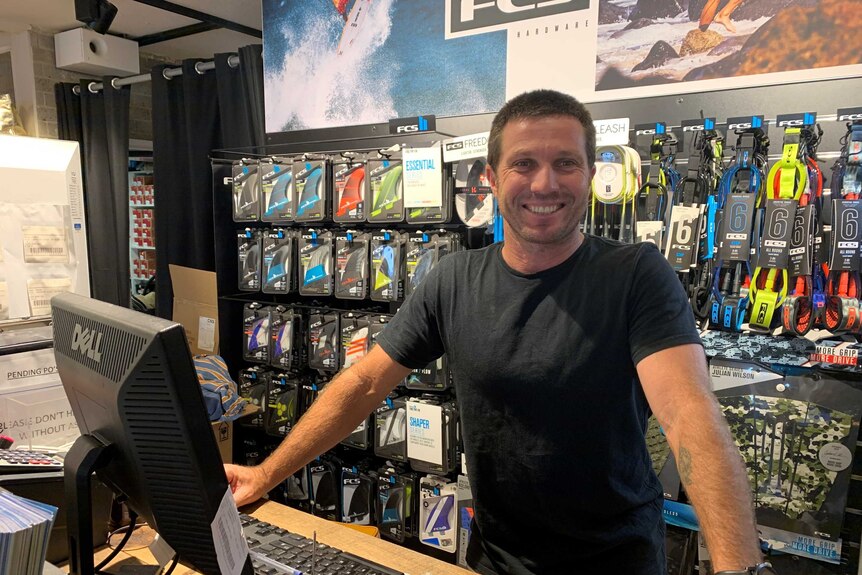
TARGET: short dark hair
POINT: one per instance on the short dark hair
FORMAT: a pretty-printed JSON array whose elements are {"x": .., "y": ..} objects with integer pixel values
[{"x": 539, "y": 104}]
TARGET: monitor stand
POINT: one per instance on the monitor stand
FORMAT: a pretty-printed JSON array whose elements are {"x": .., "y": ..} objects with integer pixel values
[{"x": 86, "y": 456}]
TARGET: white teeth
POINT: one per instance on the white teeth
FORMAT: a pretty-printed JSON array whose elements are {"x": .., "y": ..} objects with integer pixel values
[{"x": 543, "y": 209}]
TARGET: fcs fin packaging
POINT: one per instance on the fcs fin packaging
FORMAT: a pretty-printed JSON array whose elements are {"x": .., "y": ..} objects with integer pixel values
[
  {"x": 390, "y": 429},
  {"x": 358, "y": 496},
  {"x": 432, "y": 434},
  {"x": 279, "y": 257},
  {"x": 310, "y": 190},
  {"x": 348, "y": 185},
  {"x": 282, "y": 404},
  {"x": 351, "y": 264},
  {"x": 376, "y": 325},
  {"x": 438, "y": 513},
  {"x": 433, "y": 377},
  {"x": 249, "y": 259},
  {"x": 465, "y": 518},
  {"x": 246, "y": 191},
  {"x": 315, "y": 263},
  {"x": 324, "y": 341},
  {"x": 276, "y": 177},
  {"x": 354, "y": 338},
  {"x": 360, "y": 438},
  {"x": 387, "y": 276},
  {"x": 325, "y": 479},
  {"x": 284, "y": 328},
  {"x": 384, "y": 191},
  {"x": 251, "y": 384},
  {"x": 474, "y": 202},
  {"x": 296, "y": 491},
  {"x": 424, "y": 250},
  {"x": 255, "y": 329},
  {"x": 396, "y": 504}
]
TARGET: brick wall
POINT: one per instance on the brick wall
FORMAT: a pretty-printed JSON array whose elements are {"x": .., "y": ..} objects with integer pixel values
[
  {"x": 6, "y": 86},
  {"x": 47, "y": 74}
]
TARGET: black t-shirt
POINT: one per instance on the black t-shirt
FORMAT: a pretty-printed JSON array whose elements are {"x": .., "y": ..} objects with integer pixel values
[{"x": 552, "y": 413}]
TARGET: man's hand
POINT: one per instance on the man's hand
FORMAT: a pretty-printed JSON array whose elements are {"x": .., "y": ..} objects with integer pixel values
[{"x": 248, "y": 484}]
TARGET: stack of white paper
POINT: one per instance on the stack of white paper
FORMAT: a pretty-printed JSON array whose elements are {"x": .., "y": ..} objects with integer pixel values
[{"x": 25, "y": 527}]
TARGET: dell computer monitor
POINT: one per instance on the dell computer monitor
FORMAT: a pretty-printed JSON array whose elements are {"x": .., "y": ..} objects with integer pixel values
[{"x": 135, "y": 395}]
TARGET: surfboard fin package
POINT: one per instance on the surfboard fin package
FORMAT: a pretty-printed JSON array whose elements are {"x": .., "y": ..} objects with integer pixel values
[
  {"x": 351, "y": 264},
  {"x": 246, "y": 191},
  {"x": 276, "y": 175},
  {"x": 348, "y": 184},
  {"x": 396, "y": 504},
  {"x": 387, "y": 265},
  {"x": 285, "y": 327},
  {"x": 390, "y": 429},
  {"x": 282, "y": 404},
  {"x": 324, "y": 341},
  {"x": 255, "y": 323},
  {"x": 279, "y": 261},
  {"x": 249, "y": 259},
  {"x": 474, "y": 202},
  {"x": 311, "y": 184},
  {"x": 384, "y": 190},
  {"x": 358, "y": 495},
  {"x": 315, "y": 261},
  {"x": 438, "y": 519}
]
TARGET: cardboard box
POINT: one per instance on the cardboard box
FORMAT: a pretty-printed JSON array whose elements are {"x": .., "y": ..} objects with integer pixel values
[
  {"x": 196, "y": 307},
  {"x": 223, "y": 431}
]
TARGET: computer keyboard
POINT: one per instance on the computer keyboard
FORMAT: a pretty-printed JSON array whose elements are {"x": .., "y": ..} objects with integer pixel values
[{"x": 276, "y": 551}]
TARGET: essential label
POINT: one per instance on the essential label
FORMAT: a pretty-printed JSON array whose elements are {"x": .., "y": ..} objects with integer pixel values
[{"x": 423, "y": 177}]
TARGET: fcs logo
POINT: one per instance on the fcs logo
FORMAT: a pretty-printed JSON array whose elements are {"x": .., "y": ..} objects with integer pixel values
[
  {"x": 420, "y": 126},
  {"x": 850, "y": 117},
  {"x": 806, "y": 119},
  {"x": 88, "y": 342},
  {"x": 658, "y": 129},
  {"x": 476, "y": 14},
  {"x": 754, "y": 122}
]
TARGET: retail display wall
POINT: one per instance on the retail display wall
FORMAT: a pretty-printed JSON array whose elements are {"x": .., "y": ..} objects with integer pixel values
[{"x": 756, "y": 373}]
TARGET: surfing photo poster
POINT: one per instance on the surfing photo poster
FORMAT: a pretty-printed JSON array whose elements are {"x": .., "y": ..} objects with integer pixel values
[{"x": 332, "y": 63}]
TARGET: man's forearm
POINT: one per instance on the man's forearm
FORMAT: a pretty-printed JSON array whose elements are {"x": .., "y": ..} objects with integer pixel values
[
  {"x": 714, "y": 477},
  {"x": 340, "y": 408}
]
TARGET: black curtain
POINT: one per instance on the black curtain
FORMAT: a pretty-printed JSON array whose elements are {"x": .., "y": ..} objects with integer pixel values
[
  {"x": 99, "y": 121},
  {"x": 194, "y": 114}
]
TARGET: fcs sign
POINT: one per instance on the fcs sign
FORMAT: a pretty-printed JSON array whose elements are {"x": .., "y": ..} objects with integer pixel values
[
  {"x": 412, "y": 125},
  {"x": 87, "y": 342},
  {"x": 471, "y": 15}
]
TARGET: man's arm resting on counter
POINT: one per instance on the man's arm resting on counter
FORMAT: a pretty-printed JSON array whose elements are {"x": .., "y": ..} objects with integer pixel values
[
  {"x": 340, "y": 408},
  {"x": 676, "y": 384}
]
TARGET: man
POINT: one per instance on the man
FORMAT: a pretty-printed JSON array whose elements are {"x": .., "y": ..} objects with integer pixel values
[{"x": 559, "y": 345}]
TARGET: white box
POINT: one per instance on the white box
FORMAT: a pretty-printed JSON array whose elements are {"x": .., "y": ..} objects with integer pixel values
[
  {"x": 34, "y": 409},
  {"x": 88, "y": 52}
]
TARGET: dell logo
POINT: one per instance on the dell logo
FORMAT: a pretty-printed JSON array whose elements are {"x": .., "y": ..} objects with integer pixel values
[
  {"x": 88, "y": 342},
  {"x": 465, "y": 15}
]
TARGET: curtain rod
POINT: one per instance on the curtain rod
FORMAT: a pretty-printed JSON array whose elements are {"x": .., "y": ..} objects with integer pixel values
[{"x": 168, "y": 73}]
